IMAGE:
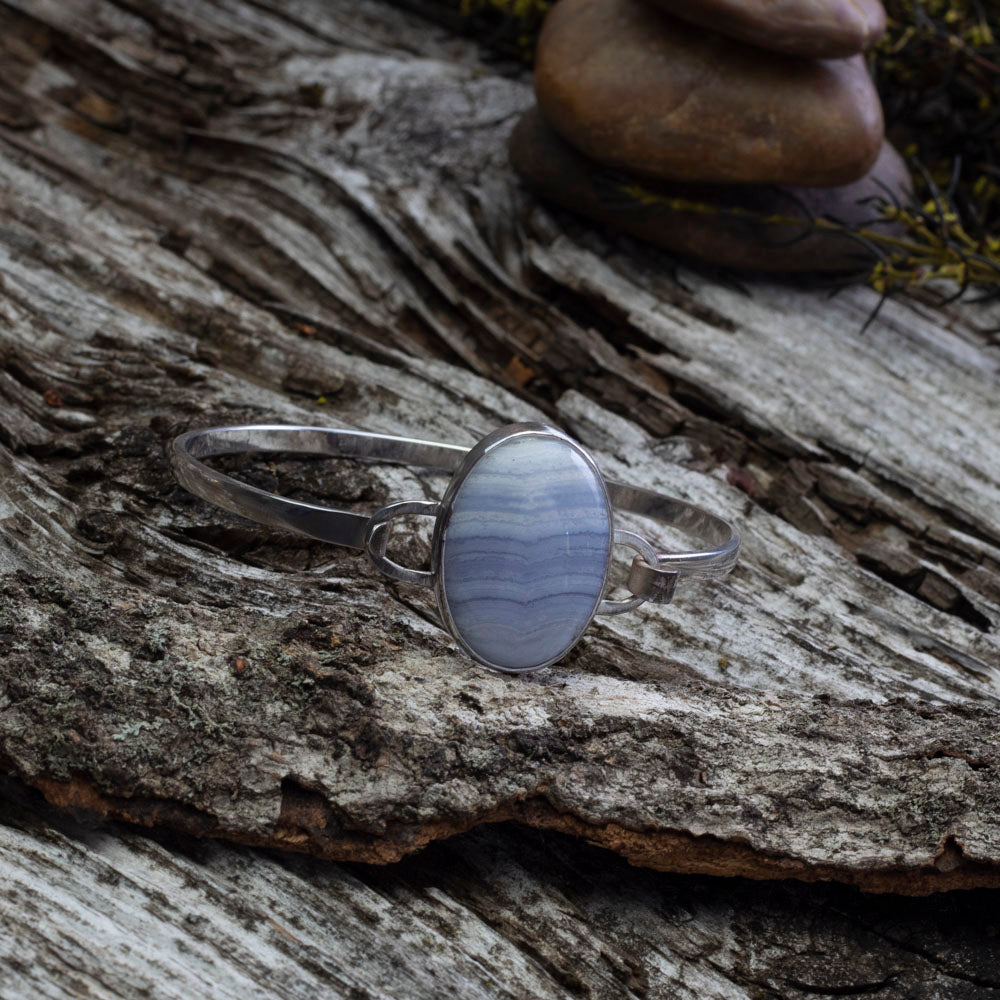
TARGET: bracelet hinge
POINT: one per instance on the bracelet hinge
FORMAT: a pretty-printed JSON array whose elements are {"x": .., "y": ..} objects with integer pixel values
[
  {"x": 650, "y": 582},
  {"x": 377, "y": 538}
]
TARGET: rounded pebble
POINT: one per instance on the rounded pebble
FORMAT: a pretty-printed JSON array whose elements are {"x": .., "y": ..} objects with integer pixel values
[
  {"x": 819, "y": 29},
  {"x": 636, "y": 89},
  {"x": 557, "y": 172}
]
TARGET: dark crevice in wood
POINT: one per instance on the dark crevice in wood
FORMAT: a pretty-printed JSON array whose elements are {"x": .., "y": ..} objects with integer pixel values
[
  {"x": 847, "y": 990},
  {"x": 575, "y": 908}
]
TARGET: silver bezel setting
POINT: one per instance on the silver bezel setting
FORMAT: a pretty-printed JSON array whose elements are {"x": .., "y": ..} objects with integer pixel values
[{"x": 439, "y": 539}]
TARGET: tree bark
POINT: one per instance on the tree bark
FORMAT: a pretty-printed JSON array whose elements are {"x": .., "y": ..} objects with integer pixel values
[
  {"x": 262, "y": 212},
  {"x": 501, "y": 912}
]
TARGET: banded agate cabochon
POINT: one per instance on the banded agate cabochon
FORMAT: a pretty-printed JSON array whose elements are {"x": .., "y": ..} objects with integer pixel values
[{"x": 525, "y": 552}]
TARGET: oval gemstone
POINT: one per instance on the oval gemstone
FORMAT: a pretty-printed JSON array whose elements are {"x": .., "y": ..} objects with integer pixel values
[{"x": 525, "y": 552}]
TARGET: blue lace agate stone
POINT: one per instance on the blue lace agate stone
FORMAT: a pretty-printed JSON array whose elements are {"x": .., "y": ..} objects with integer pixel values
[{"x": 525, "y": 552}]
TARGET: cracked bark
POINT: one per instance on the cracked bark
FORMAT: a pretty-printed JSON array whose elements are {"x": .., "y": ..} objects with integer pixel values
[
  {"x": 502, "y": 911},
  {"x": 295, "y": 214}
]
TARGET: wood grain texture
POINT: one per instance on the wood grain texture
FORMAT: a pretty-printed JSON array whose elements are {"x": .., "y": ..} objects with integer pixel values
[
  {"x": 214, "y": 213},
  {"x": 502, "y": 912}
]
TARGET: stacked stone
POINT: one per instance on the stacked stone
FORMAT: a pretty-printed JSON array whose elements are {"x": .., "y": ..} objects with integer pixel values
[{"x": 649, "y": 110}]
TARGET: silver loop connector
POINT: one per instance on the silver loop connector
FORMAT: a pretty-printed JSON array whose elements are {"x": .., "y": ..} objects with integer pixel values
[
  {"x": 654, "y": 584},
  {"x": 377, "y": 538},
  {"x": 647, "y": 552}
]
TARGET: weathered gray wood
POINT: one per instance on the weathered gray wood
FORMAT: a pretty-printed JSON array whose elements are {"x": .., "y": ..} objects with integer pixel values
[
  {"x": 103, "y": 912},
  {"x": 220, "y": 212}
]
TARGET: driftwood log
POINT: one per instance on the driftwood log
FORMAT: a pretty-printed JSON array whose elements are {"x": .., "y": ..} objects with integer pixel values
[
  {"x": 501, "y": 912},
  {"x": 302, "y": 212}
]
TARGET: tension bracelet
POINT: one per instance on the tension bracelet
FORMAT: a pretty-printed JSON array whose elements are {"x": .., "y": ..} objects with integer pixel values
[{"x": 522, "y": 537}]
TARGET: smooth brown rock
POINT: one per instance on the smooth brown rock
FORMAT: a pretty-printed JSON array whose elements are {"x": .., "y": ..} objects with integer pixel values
[
  {"x": 727, "y": 235},
  {"x": 634, "y": 88},
  {"x": 819, "y": 29}
]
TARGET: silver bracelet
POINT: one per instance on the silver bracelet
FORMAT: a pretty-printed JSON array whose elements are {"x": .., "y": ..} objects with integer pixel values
[{"x": 522, "y": 538}]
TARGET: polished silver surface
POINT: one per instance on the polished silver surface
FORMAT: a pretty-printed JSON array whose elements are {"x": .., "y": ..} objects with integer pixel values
[
  {"x": 645, "y": 577},
  {"x": 653, "y": 574},
  {"x": 377, "y": 536},
  {"x": 328, "y": 524},
  {"x": 649, "y": 555}
]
